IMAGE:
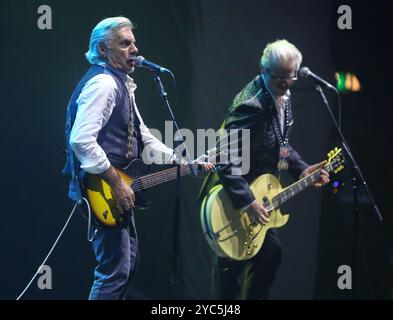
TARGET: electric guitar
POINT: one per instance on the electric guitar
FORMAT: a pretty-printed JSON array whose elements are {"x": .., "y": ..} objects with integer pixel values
[
  {"x": 230, "y": 232},
  {"x": 99, "y": 195}
]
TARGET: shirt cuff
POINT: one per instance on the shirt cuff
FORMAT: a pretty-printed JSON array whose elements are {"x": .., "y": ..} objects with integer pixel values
[{"x": 97, "y": 168}]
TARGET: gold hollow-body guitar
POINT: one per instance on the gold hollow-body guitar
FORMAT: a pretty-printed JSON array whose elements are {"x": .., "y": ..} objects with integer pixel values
[
  {"x": 230, "y": 232},
  {"x": 104, "y": 207}
]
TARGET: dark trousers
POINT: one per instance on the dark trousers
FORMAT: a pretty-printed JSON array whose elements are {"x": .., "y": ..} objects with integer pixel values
[
  {"x": 251, "y": 279},
  {"x": 116, "y": 252}
]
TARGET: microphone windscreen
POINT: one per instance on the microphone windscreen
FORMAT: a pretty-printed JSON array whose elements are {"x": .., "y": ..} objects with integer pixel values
[
  {"x": 139, "y": 60},
  {"x": 304, "y": 72}
]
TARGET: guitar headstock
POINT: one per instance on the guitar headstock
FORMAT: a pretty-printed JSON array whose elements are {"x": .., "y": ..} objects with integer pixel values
[{"x": 335, "y": 160}]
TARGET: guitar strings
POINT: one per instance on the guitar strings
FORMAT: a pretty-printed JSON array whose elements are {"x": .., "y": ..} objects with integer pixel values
[
  {"x": 147, "y": 182},
  {"x": 156, "y": 178},
  {"x": 157, "y": 174},
  {"x": 287, "y": 194},
  {"x": 168, "y": 174}
]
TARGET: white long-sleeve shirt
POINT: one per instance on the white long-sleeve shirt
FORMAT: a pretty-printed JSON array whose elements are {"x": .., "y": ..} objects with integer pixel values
[{"x": 95, "y": 106}]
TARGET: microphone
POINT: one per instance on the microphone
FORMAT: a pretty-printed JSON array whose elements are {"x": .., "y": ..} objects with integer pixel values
[
  {"x": 142, "y": 62},
  {"x": 306, "y": 72}
]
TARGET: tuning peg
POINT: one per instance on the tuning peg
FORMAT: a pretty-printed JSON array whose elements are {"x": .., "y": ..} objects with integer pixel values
[{"x": 339, "y": 168}]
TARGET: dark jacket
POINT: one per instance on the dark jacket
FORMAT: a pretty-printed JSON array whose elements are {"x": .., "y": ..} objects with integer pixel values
[{"x": 253, "y": 108}]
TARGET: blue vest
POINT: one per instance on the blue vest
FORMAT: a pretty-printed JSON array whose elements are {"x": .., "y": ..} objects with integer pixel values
[{"x": 112, "y": 137}]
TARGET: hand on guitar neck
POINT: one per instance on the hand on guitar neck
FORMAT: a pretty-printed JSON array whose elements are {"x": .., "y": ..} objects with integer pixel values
[
  {"x": 258, "y": 213},
  {"x": 324, "y": 177},
  {"x": 121, "y": 191},
  {"x": 207, "y": 166}
]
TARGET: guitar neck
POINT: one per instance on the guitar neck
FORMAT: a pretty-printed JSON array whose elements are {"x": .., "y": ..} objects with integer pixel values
[
  {"x": 157, "y": 178},
  {"x": 295, "y": 188}
]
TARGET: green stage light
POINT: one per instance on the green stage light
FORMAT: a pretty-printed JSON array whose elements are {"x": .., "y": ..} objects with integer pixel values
[{"x": 347, "y": 82}]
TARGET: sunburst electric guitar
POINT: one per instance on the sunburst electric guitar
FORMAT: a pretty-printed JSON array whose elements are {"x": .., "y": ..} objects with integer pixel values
[
  {"x": 99, "y": 194},
  {"x": 230, "y": 232}
]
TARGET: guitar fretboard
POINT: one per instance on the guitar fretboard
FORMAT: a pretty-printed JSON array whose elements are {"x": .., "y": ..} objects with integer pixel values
[
  {"x": 157, "y": 178},
  {"x": 294, "y": 189}
]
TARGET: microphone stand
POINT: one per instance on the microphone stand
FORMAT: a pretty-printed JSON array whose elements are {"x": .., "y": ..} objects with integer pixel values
[
  {"x": 357, "y": 182},
  {"x": 178, "y": 140}
]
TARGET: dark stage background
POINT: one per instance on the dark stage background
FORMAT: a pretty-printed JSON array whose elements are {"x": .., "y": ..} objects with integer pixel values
[{"x": 214, "y": 48}]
